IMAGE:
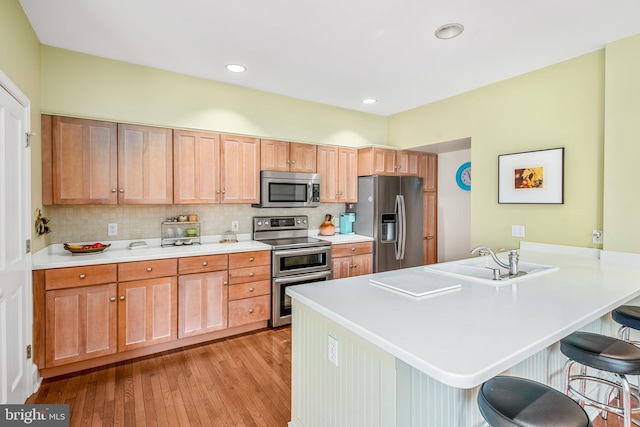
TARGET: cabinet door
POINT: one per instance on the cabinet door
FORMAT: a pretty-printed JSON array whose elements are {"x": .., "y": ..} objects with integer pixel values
[
  {"x": 407, "y": 163},
  {"x": 327, "y": 167},
  {"x": 361, "y": 264},
  {"x": 384, "y": 161},
  {"x": 428, "y": 170},
  {"x": 240, "y": 169},
  {"x": 84, "y": 156},
  {"x": 145, "y": 165},
  {"x": 341, "y": 267},
  {"x": 430, "y": 226},
  {"x": 274, "y": 155},
  {"x": 302, "y": 157},
  {"x": 348, "y": 175},
  {"x": 196, "y": 167},
  {"x": 81, "y": 324},
  {"x": 202, "y": 303},
  {"x": 147, "y": 312}
]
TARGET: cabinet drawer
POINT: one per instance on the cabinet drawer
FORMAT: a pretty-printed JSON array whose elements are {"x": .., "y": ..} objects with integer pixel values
[
  {"x": 249, "y": 274},
  {"x": 247, "y": 290},
  {"x": 348, "y": 249},
  {"x": 71, "y": 277},
  {"x": 249, "y": 310},
  {"x": 248, "y": 259},
  {"x": 147, "y": 269},
  {"x": 202, "y": 264}
]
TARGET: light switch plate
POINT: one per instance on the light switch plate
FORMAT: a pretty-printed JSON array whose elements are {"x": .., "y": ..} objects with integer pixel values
[
  {"x": 112, "y": 229},
  {"x": 517, "y": 230}
]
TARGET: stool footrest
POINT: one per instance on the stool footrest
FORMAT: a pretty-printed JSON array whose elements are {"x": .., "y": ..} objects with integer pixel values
[{"x": 618, "y": 410}]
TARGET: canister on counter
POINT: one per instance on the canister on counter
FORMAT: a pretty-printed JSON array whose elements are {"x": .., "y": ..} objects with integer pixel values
[{"x": 193, "y": 218}]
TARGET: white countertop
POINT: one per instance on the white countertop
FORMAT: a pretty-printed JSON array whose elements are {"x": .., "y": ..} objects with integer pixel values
[
  {"x": 55, "y": 256},
  {"x": 466, "y": 336}
]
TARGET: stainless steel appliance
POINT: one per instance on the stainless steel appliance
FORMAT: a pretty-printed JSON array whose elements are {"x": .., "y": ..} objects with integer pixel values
[
  {"x": 296, "y": 259},
  {"x": 390, "y": 210},
  {"x": 289, "y": 190}
]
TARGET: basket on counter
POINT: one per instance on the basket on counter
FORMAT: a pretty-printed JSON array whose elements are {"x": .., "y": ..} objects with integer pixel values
[{"x": 86, "y": 248}]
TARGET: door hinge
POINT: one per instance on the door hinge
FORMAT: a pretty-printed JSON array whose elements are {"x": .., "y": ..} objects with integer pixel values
[
  {"x": 28, "y": 246},
  {"x": 27, "y": 139},
  {"x": 29, "y": 351}
]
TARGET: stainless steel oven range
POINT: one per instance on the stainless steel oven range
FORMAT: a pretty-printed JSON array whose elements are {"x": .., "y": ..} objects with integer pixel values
[{"x": 296, "y": 259}]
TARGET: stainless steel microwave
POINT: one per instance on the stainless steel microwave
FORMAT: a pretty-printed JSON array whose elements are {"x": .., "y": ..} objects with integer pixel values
[{"x": 289, "y": 190}]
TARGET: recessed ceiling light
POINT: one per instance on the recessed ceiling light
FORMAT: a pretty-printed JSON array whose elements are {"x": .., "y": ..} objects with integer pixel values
[
  {"x": 236, "y": 68},
  {"x": 369, "y": 101},
  {"x": 449, "y": 31}
]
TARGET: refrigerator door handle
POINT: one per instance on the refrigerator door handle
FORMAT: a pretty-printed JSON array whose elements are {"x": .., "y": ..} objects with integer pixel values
[{"x": 401, "y": 224}]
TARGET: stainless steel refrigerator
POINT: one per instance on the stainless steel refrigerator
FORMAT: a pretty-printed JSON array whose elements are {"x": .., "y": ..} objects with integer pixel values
[{"x": 390, "y": 210}]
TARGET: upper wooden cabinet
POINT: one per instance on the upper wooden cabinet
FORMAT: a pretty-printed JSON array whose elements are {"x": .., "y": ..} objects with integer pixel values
[
  {"x": 384, "y": 161},
  {"x": 287, "y": 156},
  {"x": 79, "y": 161},
  {"x": 145, "y": 165},
  {"x": 240, "y": 169},
  {"x": 196, "y": 167},
  {"x": 338, "y": 169},
  {"x": 428, "y": 171}
]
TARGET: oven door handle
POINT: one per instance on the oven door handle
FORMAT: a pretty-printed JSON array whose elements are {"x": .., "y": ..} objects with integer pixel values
[
  {"x": 299, "y": 277},
  {"x": 302, "y": 251}
]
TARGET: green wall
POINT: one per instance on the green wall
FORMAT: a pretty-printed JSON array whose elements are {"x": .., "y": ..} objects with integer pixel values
[
  {"x": 557, "y": 106},
  {"x": 82, "y": 85},
  {"x": 622, "y": 146},
  {"x": 20, "y": 61}
]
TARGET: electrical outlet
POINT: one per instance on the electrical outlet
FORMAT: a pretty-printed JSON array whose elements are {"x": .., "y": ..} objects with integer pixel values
[
  {"x": 234, "y": 226},
  {"x": 597, "y": 237},
  {"x": 517, "y": 230},
  {"x": 333, "y": 350},
  {"x": 112, "y": 230}
]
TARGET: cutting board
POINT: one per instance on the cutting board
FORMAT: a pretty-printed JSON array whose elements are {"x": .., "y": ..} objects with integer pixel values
[{"x": 415, "y": 285}]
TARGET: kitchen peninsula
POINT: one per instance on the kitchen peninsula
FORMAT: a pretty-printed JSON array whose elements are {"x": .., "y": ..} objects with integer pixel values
[{"x": 406, "y": 361}]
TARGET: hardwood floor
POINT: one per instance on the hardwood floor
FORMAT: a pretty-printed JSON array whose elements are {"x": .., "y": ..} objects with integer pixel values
[{"x": 238, "y": 381}]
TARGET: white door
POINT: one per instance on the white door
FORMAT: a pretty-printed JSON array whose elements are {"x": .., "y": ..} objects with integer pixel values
[{"x": 15, "y": 262}]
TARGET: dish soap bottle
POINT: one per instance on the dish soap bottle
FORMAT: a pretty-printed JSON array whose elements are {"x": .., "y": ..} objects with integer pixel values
[{"x": 327, "y": 228}]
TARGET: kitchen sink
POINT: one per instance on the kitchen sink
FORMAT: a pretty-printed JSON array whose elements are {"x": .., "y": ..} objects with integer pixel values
[{"x": 484, "y": 270}]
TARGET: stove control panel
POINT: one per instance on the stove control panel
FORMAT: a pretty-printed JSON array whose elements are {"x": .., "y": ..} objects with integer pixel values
[{"x": 264, "y": 223}]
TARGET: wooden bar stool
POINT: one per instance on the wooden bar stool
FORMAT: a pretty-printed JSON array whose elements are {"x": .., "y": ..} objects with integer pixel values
[
  {"x": 613, "y": 359},
  {"x": 517, "y": 402}
]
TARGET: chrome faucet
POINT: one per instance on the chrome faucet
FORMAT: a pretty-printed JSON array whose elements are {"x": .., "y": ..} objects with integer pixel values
[{"x": 513, "y": 258}]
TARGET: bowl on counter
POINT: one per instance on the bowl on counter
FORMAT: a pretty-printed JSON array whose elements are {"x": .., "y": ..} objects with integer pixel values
[
  {"x": 86, "y": 248},
  {"x": 192, "y": 232}
]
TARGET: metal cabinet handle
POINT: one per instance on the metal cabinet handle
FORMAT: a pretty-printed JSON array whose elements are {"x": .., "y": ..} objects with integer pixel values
[
  {"x": 217, "y": 191},
  {"x": 251, "y": 274},
  {"x": 251, "y": 259},
  {"x": 288, "y": 161},
  {"x": 204, "y": 263},
  {"x": 82, "y": 276},
  {"x": 149, "y": 269},
  {"x": 293, "y": 161},
  {"x": 113, "y": 299},
  {"x": 251, "y": 310},
  {"x": 225, "y": 283},
  {"x": 355, "y": 265},
  {"x": 222, "y": 191},
  {"x": 113, "y": 190},
  {"x": 353, "y": 249},
  {"x": 121, "y": 297},
  {"x": 122, "y": 190},
  {"x": 250, "y": 289}
]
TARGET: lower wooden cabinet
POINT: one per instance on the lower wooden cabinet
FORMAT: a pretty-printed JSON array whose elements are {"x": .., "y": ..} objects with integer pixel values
[
  {"x": 352, "y": 259},
  {"x": 250, "y": 287},
  {"x": 249, "y": 310},
  {"x": 202, "y": 303},
  {"x": 81, "y": 323},
  {"x": 147, "y": 312}
]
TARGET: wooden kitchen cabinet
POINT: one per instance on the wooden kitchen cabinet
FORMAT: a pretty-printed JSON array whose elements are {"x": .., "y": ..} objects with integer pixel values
[
  {"x": 202, "y": 294},
  {"x": 147, "y": 298},
  {"x": 338, "y": 168},
  {"x": 249, "y": 287},
  {"x": 384, "y": 161},
  {"x": 145, "y": 165},
  {"x": 428, "y": 171},
  {"x": 352, "y": 259},
  {"x": 287, "y": 156},
  {"x": 79, "y": 161},
  {"x": 81, "y": 324},
  {"x": 196, "y": 167},
  {"x": 430, "y": 227},
  {"x": 240, "y": 169}
]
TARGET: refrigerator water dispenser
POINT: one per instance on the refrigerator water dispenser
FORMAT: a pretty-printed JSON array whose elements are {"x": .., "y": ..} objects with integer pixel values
[{"x": 388, "y": 228}]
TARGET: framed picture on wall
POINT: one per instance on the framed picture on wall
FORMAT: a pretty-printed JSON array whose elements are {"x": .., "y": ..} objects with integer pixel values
[{"x": 531, "y": 177}]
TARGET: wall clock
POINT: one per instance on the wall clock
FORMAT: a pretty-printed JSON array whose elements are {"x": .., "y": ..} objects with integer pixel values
[{"x": 463, "y": 176}]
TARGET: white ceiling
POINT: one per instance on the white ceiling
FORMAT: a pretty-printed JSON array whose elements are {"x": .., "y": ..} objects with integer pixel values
[{"x": 338, "y": 52}]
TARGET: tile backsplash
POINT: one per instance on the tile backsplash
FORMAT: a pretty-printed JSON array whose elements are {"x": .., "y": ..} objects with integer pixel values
[{"x": 81, "y": 223}]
